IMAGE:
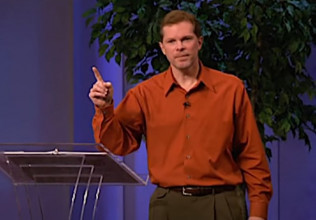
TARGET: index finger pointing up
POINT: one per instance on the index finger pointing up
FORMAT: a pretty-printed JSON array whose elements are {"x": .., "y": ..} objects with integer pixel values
[{"x": 97, "y": 74}]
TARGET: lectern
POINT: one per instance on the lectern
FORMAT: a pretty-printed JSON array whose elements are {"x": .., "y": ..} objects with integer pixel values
[{"x": 66, "y": 164}]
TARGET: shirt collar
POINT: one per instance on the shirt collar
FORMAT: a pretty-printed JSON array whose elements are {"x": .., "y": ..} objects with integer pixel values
[
  {"x": 169, "y": 82},
  {"x": 204, "y": 77}
]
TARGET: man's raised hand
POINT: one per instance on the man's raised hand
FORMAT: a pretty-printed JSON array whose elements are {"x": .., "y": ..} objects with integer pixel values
[{"x": 101, "y": 93}]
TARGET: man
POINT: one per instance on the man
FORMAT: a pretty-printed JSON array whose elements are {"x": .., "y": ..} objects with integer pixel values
[{"x": 201, "y": 135}]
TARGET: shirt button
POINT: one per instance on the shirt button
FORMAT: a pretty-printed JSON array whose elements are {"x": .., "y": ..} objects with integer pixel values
[
  {"x": 187, "y": 95},
  {"x": 188, "y": 177},
  {"x": 188, "y": 157},
  {"x": 187, "y": 115},
  {"x": 188, "y": 137}
]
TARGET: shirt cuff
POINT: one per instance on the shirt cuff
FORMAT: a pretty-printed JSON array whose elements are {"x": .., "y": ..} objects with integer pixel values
[
  {"x": 106, "y": 111},
  {"x": 259, "y": 209}
]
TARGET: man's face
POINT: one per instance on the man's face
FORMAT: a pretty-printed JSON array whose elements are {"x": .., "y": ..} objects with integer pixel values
[{"x": 180, "y": 45}]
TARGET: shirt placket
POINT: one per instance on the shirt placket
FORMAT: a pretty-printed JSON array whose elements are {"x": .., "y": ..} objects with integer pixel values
[{"x": 188, "y": 136}]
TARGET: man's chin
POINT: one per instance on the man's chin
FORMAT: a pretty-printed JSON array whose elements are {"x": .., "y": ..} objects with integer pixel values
[{"x": 183, "y": 66}]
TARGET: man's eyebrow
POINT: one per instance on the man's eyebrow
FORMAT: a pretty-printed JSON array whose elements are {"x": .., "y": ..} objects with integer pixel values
[
  {"x": 169, "y": 38},
  {"x": 187, "y": 36},
  {"x": 184, "y": 37}
]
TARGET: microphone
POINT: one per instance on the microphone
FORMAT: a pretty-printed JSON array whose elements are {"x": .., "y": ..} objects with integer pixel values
[{"x": 186, "y": 104}]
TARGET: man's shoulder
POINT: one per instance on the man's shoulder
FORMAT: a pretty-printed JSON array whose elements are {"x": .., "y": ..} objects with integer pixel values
[
  {"x": 221, "y": 81},
  {"x": 153, "y": 83},
  {"x": 155, "y": 80},
  {"x": 218, "y": 76}
]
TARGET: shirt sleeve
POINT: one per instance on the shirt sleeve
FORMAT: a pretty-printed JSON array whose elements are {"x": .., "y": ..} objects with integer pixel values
[
  {"x": 251, "y": 159},
  {"x": 120, "y": 130}
]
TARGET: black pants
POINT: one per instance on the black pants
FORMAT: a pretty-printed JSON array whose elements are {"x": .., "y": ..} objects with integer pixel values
[{"x": 169, "y": 205}]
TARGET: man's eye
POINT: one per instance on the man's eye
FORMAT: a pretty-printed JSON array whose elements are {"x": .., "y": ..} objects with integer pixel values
[{"x": 186, "y": 39}]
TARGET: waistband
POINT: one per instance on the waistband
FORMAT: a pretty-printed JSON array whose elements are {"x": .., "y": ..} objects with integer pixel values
[{"x": 201, "y": 190}]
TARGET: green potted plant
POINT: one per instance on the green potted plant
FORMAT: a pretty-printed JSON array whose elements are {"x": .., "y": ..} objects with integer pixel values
[{"x": 264, "y": 42}]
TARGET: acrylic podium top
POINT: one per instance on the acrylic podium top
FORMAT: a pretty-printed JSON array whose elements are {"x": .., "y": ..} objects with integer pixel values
[{"x": 64, "y": 163}]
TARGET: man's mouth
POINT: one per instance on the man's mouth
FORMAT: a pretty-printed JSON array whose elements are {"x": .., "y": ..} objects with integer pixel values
[{"x": 182, "y": 56}]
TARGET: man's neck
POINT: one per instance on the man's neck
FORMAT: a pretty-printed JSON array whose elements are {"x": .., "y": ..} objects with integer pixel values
[{"x": 187, "y": 78}]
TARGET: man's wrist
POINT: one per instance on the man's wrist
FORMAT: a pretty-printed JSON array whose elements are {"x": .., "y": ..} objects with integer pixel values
[
  {"x": 109, "y": 101},
  {"x": 106, "y": 104},
  {"x": 255, "y": 218}
]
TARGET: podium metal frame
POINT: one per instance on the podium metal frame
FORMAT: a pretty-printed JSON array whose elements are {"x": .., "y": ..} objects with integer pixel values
[{"x": 71, "y": 164}]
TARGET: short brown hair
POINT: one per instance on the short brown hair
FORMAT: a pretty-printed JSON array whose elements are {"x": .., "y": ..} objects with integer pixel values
[{"x": 177, "y": 16}]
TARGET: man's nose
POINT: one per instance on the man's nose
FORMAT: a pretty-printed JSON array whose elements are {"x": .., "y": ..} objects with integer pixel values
[{"x": 179, "y": 45}]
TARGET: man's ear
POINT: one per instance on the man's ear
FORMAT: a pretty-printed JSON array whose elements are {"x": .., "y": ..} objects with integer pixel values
[
  {"x": 162, "y": 48},
  {"x": 200, "y": 42}
]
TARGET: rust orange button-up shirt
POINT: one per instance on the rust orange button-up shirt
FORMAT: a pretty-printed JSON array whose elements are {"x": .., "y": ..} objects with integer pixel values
[{"x": 206, "y": 136}]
